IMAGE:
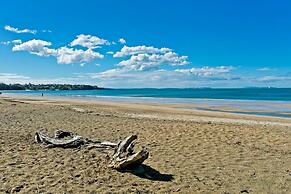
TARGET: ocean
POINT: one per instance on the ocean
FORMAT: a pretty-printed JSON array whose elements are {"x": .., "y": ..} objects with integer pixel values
[{"x": 258, "y": 101}]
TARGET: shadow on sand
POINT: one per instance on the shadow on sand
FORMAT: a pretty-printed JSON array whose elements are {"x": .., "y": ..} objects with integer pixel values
[{"x": 147, "y": 172}]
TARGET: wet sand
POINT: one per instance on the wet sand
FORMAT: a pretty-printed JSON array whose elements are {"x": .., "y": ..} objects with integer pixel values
[{"x": 191, "y": 151}]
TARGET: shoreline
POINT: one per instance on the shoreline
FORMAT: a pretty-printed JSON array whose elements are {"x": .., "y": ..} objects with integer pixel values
[
  {"x": 163, "y": 111},
  {"x": 245, "y": 104}
]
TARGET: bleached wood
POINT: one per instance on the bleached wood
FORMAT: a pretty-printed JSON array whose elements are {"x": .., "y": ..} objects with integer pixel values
[
  {"x": 123, "y": 158},
  {"x": 75, "y": 141}
]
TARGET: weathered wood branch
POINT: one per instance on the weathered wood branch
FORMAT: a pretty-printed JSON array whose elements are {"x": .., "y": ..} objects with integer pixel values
[
  {"x": 75, "y": 141},
  {"x": 123, "y": 158}
]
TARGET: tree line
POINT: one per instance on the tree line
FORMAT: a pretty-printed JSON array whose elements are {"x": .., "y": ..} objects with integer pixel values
[{"x": 47, "y": 87}]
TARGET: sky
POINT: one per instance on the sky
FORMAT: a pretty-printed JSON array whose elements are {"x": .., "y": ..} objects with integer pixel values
[{"x": 152, "y": 43}]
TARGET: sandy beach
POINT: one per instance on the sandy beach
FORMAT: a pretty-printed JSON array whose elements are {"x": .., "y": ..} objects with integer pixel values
[{"x": 191, "y": 151}]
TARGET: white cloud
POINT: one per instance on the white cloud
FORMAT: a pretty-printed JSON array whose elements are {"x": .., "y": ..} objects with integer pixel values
[
  {"x": 127, "y": 51},
  {"x": 17, "y": 41},
  {"x": 265, "y": 69},
  {"x": 273, "y": 78},
  {"x": 143, "y": 58},
  {"x": 120, "y": 77},
  {"x": 19, "y": 31},
  {"x": 37, "y": 47},
  {"x": 213, "y": 73},
  {"x": 64, "y": 55},
  {"x": 111, "y": 73},
  {"x": 143, "y": 62},
  {"x": 89, "y": 41},
  {"x": 12, "y": 78},
  {"x": 207, "y": 71},
  {"x": 69, "y": 55},
  {"x": 122, "y": 41},
  {"x": 110, "y": 52}
]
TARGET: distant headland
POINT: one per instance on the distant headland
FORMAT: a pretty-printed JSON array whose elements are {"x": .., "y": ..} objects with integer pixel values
[{"x": 48, "y": 87}]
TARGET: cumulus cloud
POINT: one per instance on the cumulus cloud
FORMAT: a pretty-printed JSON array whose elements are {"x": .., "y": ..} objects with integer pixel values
[
  {"x": 37, "y": 47},
  {"x": 89, "y": 41},
  {"x": 207, "y": 71},
  {"x": 127, "y": 51},
  {"x": 69, "y": 55},
  {"x": 64, "y": 55},
  {"x": 143, "y": 62},
  {"x": 19, "y": 31},
  {"x": 144, "y": 58},
  {"x": 122, "y": 41}
]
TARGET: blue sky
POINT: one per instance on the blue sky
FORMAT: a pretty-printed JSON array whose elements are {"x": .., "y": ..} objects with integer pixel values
[{"x": 153, "y": 43}]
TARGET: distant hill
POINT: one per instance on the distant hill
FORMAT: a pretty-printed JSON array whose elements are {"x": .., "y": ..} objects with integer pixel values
[{"x": 47, "y": 87}]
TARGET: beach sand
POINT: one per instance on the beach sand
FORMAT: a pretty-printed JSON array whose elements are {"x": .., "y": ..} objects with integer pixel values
[{"x": 190, "y": 151}]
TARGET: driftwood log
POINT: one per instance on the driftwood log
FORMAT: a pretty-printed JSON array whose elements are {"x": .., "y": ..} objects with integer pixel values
[
  {"x": 72, "y": 141},
  {"x": 123, "y": 157},
  {"x": 59, "y": 141}
]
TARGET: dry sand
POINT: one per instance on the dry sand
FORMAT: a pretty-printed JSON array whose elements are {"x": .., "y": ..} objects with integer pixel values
[{"x": 190, "y": 151}]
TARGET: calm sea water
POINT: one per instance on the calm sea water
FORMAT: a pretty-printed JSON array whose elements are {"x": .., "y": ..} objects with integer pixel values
[
  {"x": 258, "y": 101},
  {"x": 273, "y": 94}
]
